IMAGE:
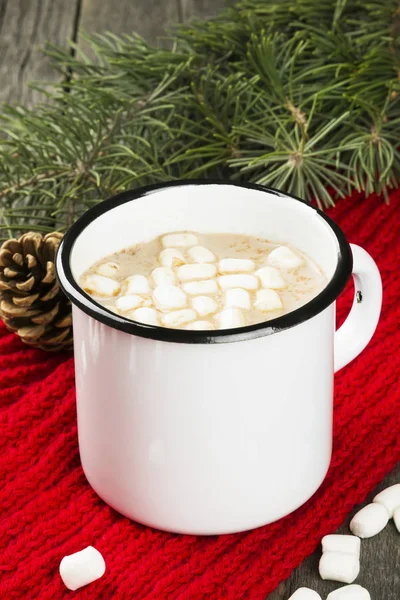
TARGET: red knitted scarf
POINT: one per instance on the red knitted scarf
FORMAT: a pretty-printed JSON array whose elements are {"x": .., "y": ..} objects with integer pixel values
[{"x": 48, "y": 510}]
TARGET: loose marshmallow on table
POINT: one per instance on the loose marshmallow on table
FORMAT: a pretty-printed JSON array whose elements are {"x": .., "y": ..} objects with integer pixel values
[
  {"x": 137, "y": 284},
  {"x": 305, "y": 594},
  {"x": 171, "y": 257},
  {"x": 146, "y": 315},
  {"x": 396, "y": 518},
  {"x": 98, "y": 285},
  {"x": 199, "y": 254},
  {"x": 285, "y": 258},
  {"x": 195, "y": 271},
  {"x": 338, "y": 566},
  {"x": 350, "y": 592},
  {"x": 206, "y": 286},
  {"x": 231, "y": 317},
  {"x": 238, "y": 297},
  {"x": 200, "y": 325},
  {"x": 126, "y": 303},
  {"x": 169, "y": 297},
  {"x": 239, "y": 280},
  {"x": 178, "y": 317},
  {"x": 204, "y": 305},
  {"x": 163, "y": 276},
  {"x": 271, "y": 278},
  {"x": 349, "y": 544},
  {"x": 81, "y": 568},
  {"x": 268, "y": 300},
  {"x": 369, "y": 521},
  {"x": 236, "y": 265},
  {"x": 179, "y": 240},
  {"x": 389, "y": 498},
  {"x": 108, "y": 269}
]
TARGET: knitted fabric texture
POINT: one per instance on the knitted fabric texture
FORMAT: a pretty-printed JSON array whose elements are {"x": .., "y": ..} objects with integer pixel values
[{"x": 48, "y": 510}]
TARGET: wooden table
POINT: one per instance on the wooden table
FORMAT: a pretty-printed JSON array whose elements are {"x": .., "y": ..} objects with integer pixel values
[
  {"x": 380, "y": 561},
  {"x": 25, "y": 25}
]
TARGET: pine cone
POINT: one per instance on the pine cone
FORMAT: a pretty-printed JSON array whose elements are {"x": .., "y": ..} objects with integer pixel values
[{"x": 31, "y": 301}]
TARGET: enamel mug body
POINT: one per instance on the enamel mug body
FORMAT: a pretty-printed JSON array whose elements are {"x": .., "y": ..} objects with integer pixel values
[{"x": 222, "y": 431}]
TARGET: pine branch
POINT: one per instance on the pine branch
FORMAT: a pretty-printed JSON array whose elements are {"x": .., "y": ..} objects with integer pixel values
[
  {"x": 302, "y": 96},
  {"x": 27, "y": 183}
]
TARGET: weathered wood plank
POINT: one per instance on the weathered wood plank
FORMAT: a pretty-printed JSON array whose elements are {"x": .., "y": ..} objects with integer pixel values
[
  {"x": 25, "y": 26},
  {"x": 280, "y": 593},
  {"x": 201, "y": 8},
  {"x": 380, "y": 559},
  {"x": 148, "y": 18}
]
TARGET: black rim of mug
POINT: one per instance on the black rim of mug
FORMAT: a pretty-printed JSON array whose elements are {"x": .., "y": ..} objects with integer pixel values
[{"x": 95, "y": 310}]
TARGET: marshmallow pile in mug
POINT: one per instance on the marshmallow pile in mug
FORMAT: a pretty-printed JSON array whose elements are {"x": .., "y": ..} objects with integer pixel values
[{"x": 193, "y": 289}]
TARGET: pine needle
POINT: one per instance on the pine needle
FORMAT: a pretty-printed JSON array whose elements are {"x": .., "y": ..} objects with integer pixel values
[{"x": 303, "y": 96}]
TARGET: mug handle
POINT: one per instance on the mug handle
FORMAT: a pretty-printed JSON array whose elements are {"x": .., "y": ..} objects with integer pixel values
[{"x": 357, "y": 330}]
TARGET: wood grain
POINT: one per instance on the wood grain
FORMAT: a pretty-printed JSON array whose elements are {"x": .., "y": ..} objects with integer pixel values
[
  {"x": 201, "y": 8},
  {"x": 380, "y": 559},
  {"x": 148, "y": 18},
  {"x": 152, "y": 19},
  {"x": 281, "y": 592},
  {"x": 25, "y": 26}
]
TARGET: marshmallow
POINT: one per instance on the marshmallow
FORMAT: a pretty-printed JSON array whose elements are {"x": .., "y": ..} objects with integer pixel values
[
  {"x": 126, "y": 303},
  {"x": 238, "y": 297},
  {"x": 204, "y": 305},
  {"x": 108, "y": 269},
  {"x": 285, "y": 258},
  {"x": 236, "y": 265},
  {"x": 231, "y": 317},
  {"x": 98, "y": 285},
  {"x": 137, "y": 284},
  {"x": 389, "y": 498},
  {"x": 200, "y": 325},
  {"x": 350, "y": 592},
  {"x": 163, "y": 276},
  {"x": 268, "y": 300},
  {"x": 146, "y": 315},
  {"x": 396, "y": 518},
  {"x": 171, "y": 257},
  {"x": 81, "y": 568},
  {"x": 179, "y": 240},
  {"x": 242, "y": 280},
  {"x": 349, "y": 544},
  {"x": 305, "y": 594},
  {"x": 369, "y": 521},
  {"x": 169, "y": 297},
  {"x": 338, "y": 566},
  {"x": 271, "y": 278},
  {"x": 199, "y": 254},
  {"x": 194, "y": 271},
  {"x": 207, "y": 286},
  {"x": 178, "y": 317}
]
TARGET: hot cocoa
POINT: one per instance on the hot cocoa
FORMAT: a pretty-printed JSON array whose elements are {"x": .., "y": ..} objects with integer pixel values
[{"x": 196, "y": 281}]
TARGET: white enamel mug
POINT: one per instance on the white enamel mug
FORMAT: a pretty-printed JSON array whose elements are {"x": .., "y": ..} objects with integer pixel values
[{"x": 222, "y": 431}]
